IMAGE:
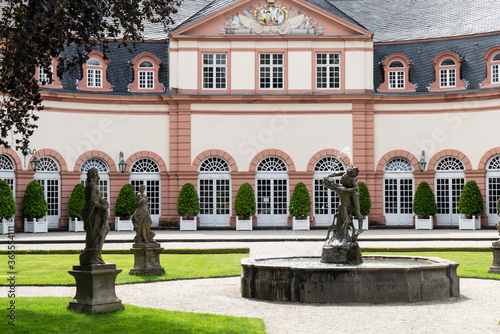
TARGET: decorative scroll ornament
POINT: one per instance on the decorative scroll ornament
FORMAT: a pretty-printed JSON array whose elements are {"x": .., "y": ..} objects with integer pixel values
[{"x": 271, "y": 18}]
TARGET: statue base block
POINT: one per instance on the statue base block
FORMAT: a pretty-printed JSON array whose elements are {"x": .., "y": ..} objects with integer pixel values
[
  {"x": 95, "y": 289},
  {"x": 495, "y": 267},
  {"x": 146, "y": 259},
  {"x": 335, "y": 251}
]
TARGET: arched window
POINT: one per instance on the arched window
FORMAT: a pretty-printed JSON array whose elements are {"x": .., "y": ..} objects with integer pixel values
[
  {"x": 272, "y": 192},
  {"x": 47, "y": 174},
  {"x": 7, "y": 171},
  {"x": 492, "y": 58},
  {"x": 326, "y": 201},
  {"x": 145, "y": 171},
  {"x": 214, "y": 187},
  {"x": 146, "y": 70},
  {"x": 396, "y": 74},
  {"x": 398, "y": 192},
  {"x": 447, "y": 68},
  {"x": 103, "y": 170},
  {"x": 449, "y": 182},
  {"x": 47, "y": 77},
  {"x": 94, "y": 73},
  {"x": 492, "y": 189}
]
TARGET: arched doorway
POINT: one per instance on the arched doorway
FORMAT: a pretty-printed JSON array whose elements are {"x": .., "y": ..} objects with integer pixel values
[
  {"x": 145, "y": 171},
  {"x": 103, "y": 169},
  {"x": 449, "y": 182},
  {"x": 214, "y": 190},
  {"x": 398, "y": 192},
  {"x": 7, "y": 171},
  {"x": 326, "y": 201},
  {"x": 47, "y": 174},
  {"x": 492, "y": 189},
  {"x": 272, "y": 192}
]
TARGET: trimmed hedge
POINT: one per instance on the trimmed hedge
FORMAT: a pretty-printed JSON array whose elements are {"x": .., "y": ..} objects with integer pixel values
[
  {"x": 424, "y": 202},
  {"x": 365, "y": 203},
  {"x": 188, "y": 203},
  {"x": 76, "y": 201},
  {"x": 34, "y": 203},
  {"x": 244, "y": 202},
  {"x": 125, "y": 203},
  {"x": 300, "y": 203},
  {"x": 471, "y": 201},
  {"x": 7, "y": 202}
]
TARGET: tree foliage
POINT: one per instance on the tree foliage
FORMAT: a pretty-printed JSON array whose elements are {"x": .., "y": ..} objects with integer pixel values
[
  {"x": 471, "y": 200},
  {"x": 244, "y": 202},
  {"x": 125, "y": 203},
  {"x": 7, "y": 202},
  {"x": 34, "y": 203},
  {"x": 76, "y": 201},
  {"x": 188, "y": 203},
  {"x": 424, "y": 202},
  {"x": 300, "y": 203},
  {"x": 35, "y": 31},
  {"x": 365, "y": 203}
]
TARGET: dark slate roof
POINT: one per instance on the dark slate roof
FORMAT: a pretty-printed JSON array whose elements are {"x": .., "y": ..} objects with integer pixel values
[
  {"x": 400, "y": 20},
  {"x": 205, "y": 8},
  {"x": 421, "y": 54}
]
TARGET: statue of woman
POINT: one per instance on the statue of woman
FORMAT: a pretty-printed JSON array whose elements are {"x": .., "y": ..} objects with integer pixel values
[
  {"x": 95, "y": 220},
  {"x": 142, "y": 219}
]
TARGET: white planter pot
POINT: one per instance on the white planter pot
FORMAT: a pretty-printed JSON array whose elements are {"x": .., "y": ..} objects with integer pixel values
[
  {"x": 424, "y": 223},
  {"x": 123, "y": 225},
  {"x": 75, "y": 225},
  {"x": 243, "y": 224},
  {"x": 469, "y": 224},
  {"x": 6, "y": 225},
  {"x": 356, "y": 223},
  {"x": 35, "y": 226},
  {"x": 188, "y": 225},
  {"x": 300, "y": 224}
]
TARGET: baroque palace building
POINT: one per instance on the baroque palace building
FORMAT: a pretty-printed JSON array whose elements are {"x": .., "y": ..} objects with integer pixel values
[{"x": 279, "y": 92}]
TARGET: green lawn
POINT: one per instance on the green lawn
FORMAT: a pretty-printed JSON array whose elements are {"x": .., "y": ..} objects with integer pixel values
[
  {"x": 42, "y": 269},
  {"x": 472, "y": 264},
  {"x": 50, "y": 315}
]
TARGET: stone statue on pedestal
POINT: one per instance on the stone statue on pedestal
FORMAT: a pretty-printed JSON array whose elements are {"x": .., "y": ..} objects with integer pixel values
[
  {"x": 342, "y": 247},
  {"x": 142, "y": 219},
  {"x": 495, "y": 247}
]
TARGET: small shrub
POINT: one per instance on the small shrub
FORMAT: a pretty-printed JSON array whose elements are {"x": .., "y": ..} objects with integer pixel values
[
  {"x": 34, "y": 203},
  {"x": 125, "y": 203},
  {"x": 76, "y": 201},
  {"x": 471, "y": 201},
  {"x": 424, "y": 202},
  {"x": 365, "y": 203},
  {"x": 244, "y": 202},
  {"x": 188, "y": 203},
  {"x": 300, "y": 203},
  {"x": 7, "y": 202}
]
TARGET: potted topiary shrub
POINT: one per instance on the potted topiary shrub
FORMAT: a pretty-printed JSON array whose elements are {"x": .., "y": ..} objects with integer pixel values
[
  {"x": 124, "y": 208},
  {"x": 365, "y": 204},
  {"x": 75, "y": 206},
  {"x": 300, "y": 207},
  {"x": 471, "y": 206},
  {"x": 34, "y": 208},
  {"x": 244, "y": 207},
  {"x": 424, "y": 207},
  {"x": 188, "y": 204},
  {"x": 7, "y": 208}
]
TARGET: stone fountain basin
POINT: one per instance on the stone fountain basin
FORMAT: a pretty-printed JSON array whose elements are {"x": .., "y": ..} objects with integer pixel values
[{"x": 380, "y": 279}]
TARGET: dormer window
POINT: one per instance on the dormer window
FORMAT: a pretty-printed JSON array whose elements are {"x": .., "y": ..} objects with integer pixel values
[
  {"x": 447, "y": 69},
  {"x": 146, "y": 70},
  {"x": 47, "y": 77},
  {"x": 396, "y": 73},
  {"x": 492, "y": 58},
  {"x": 94, "y": 73},
  {"x": 495, "y": 78}
]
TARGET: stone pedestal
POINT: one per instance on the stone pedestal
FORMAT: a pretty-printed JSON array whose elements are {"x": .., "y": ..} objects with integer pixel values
[
  {"x": 147, "y": 259},
  {"x": 495, "y": 267},
  {"x": 343, "y": 253},
  {"x": 95, "y": 289}
]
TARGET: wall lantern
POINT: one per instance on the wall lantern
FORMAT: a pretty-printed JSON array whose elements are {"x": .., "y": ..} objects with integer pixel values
[
  {"x": 422, "y": 163},
  {"x": 122, "y": 165},
  {"x": 34, "y": 162}
]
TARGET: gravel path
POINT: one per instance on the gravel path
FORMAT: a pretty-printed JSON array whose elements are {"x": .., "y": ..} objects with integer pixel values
[{"x": 476, "y": 311}]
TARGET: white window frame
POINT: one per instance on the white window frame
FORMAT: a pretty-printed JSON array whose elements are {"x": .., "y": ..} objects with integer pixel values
[
  {"x": 275, "y": 71},
  {"x": 146, "y": 77},
  {"x": 447, "y": 76},
  {"x": 495, "y": 69},
  {"x": 43, "y": 76},
  {"x": 331, "y": 67},
  {"x": 142, "y": 171},
  {"x": 325, "y": 201},
  {"x": 216, "y": 65}
]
